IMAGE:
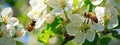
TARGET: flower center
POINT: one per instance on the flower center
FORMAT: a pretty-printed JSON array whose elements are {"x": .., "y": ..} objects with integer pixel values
[
  {"x": 106, "y": 19},
  {"x": 63, "y": 4},
  {"x": 84, "y": 27},
  {"x": 36, "y": 12},
  {"x": 5, "y": 18}
]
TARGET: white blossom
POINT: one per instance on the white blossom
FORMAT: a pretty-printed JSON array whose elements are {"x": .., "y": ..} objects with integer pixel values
[
  {"x": 76, "y": 28},
  {"x": 73, "y": 27},
  {"x": 12, "y": 23},
  {"x": 38, "y": 12}
]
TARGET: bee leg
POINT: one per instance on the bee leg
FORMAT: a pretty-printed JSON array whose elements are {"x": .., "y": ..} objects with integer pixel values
[{"x": 87, "y": 21}]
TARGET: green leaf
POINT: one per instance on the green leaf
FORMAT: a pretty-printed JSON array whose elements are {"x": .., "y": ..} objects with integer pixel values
[
  {"x": 86, "y": 2},
  {"x": 91, "y": 7},
  {"x": 104, "y": 41},
  {"x": 55, "y": 26},
  {"x": 23, "y": 19},
  {"x": 115, "y": 34},
  {"x": 11, "y": 2},
  {"x": 45, "y": 36},
  {"x": 19, "y": 43},
  {"x": 70, "y": 43}
]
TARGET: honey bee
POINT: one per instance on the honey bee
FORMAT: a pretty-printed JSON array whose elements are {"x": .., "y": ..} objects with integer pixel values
[
  {"x": 31, "y": 25},
  {"x": 91, "y": 16}
]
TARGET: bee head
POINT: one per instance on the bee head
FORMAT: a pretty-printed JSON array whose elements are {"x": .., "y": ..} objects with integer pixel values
[
  {"x": 86, "y": 14},
  {"x": 33, "y": 21}
]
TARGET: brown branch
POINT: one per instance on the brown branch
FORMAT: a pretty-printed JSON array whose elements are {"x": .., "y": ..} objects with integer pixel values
[{"x": 67, "y": 38}]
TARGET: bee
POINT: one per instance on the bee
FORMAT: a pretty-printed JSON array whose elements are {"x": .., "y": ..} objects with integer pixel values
[
  {"x": 31, "y": 25},
  {"x": 91, "y": 16}
]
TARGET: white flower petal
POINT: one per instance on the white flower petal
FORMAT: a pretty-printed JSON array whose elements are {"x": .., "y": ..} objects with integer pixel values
[
  {"x": 38, "y": 5},
  {"x": 80, "y": 37},
  {"x": 72, "y": 28},
  {"x": 10, "y": 30},
  {"x": 69, "y": 5},
  {"x": 54, "y": 3},
  {"x": 7, "y": 12},
  {"x": 110, "y": 3},
  {"x": 20, "y": 31},
  {"x": 39, "y": 23},
  {"x": 96, "y": 2},
  {"x": 112, "y": 12},
  {"x": 33, "y": 14},
  {"x": 90, "y": 35},
  {"x": 100, "y": 11},
  {"x": 51, "y": 42},
  {"x": 57, "y": 41},
  {"x": 98, "y": 26},
  {"x": 117, "y": 6},
  {"x": 57, "y": 11},
  {"x": 113, "y": 23},
  {"x": 13, "y": 21},
  {"x": 76, "y": 18},
  {"x": 49, "y": 18},
  {"x": 7, "y": 41}
]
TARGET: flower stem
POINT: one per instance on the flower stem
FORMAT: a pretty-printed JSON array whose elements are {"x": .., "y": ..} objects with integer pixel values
[{"x": 65, "y": 18}]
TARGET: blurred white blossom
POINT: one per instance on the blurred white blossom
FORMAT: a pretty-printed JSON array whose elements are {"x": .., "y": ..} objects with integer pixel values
[
  {"x": 10, "y": 29},
  {"x": 7, "y": 12}
]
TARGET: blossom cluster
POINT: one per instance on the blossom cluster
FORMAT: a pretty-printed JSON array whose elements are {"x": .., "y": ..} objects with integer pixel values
[
  {"x": 9, "y": 27},
  {"x": 73, "y": 13},
  {"x": 83, "y": 19}
]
